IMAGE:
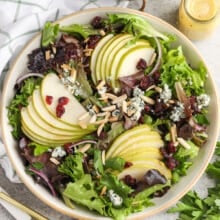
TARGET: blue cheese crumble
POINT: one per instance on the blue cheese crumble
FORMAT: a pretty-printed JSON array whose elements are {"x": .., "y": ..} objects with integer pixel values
[
  {"x": 178, "y": 112},
  {"x": 203, "y": 101},
  {"x": 115, "y": 198},
  {"x": 58, "y": 152},
  {"x": 166, "y": 93}
]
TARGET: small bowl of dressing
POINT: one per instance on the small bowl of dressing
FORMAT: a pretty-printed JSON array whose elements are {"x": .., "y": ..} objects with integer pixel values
[{"x": 199, "y": 18}]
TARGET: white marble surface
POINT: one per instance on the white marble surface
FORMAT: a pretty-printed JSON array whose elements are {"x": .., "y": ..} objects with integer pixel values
[{"x": 210, "y": 50}]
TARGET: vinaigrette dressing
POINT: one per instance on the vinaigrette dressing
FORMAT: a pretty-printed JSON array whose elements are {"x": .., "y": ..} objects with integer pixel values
[{"x": 198, "y": 18}]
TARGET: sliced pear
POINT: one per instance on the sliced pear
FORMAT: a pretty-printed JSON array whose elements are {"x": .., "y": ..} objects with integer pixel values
[
  {"x": 95, "y": 54},
  {"x": 141, "y": 154},
  {"x": 119, "y": 42},
  {"x": 138, "y": 132},
  {"x": 52, "y": 86},
  {"x": 139, "y": 168},
  {"x": 125, "y": 61},
  {"x": 45, "y": 124}
]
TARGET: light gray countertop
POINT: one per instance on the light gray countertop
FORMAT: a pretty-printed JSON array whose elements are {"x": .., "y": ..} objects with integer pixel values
[{"x": 210, "y": 49}]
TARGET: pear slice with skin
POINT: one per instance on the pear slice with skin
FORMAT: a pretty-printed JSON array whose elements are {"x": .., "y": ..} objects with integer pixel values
[
  {"x": 138, "y": 169},
  {"x": 148, "y": 139},
  {"x": 141, "y": 154},
  {"x": 51, "y": 85},
  {"x": 95, "y": 54},
  {"x": 136, "y": 132},
  {"x": 45, "y": 125},
  {"x": 126, "y": 59}
]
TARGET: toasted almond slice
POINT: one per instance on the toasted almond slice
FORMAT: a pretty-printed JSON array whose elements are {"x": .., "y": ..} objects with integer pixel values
[
  {"x": 101, "y": 114},
  {"x": 158, "y": 89},
  {"x": 171, "y": 101},
  {"x": 119, "y": 99},
  {"x": 150, "y": 87},
  {"x": 152, "y": 59},
  {"x": 54, "y": 49},
  {"x": 84, "y": 148},
  {"x": 65, "y": 67},
  {"x": 147, "y": 100},
  {"x": 95, "y": 108},
  {"x": 47, "y": 54},
  {"x": 103, "y": 157},
  {"x": 54, "y": 160},
  {"x": 130, "y": 112},
  {"x": 124, "y": 106},
  {"x": 110, "y": 96},
  {"x": 109, "y": 108},
  {"x": 100, "y": 85},
  {"x": 183, "y": 143},
  {"x": 173, "y": 133},
  {"x": 103, "y": 191},
  {"x": 113, "y": 119},
  {"x": 102, "y": 32},
  {"x": 100, "y": 128}
]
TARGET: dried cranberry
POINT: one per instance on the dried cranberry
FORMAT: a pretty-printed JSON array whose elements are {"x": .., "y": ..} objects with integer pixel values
[
  {"x": 185, "y": 131},
  {"x": 128, "y": 164},
  {"x": 130, "y": 181},
  {"x": 60, "y": 110},
  {"x": 164, "y": 152},
  {"x": 147, "y": 108},
  {"x": 141, "y": 65},
  {"x": 171, "y": 163},
  {"x": 93, "y": 40},
  {"x": 97, "y": 22},
  {"x": 171, "y": 147},
  {"x": 145, "y": 82},
  {"x": 49, "y": 99},
  {"x": 63, "y": 100},
  {"x": 156, "y": 77}
]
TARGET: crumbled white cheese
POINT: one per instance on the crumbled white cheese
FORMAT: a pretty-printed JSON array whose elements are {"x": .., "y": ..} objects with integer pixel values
[
  {"x": 58, "y": 152},
  {"x": 203, "y": 101},
  {"x": 115, "y": 198},
  {"x": 178, "y": 112},
  {"x": 137, "y": 92},
  {"x": 166, "y": 93}
]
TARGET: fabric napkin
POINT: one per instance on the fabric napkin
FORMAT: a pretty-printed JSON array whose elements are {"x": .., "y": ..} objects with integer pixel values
[{"x": 19, "y": 21}]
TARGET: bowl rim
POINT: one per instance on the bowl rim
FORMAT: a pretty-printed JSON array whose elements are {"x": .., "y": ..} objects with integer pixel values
[{"x": 139, "y": 215}]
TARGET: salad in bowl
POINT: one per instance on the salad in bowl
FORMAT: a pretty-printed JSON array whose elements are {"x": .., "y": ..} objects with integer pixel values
[{"x": 109, "y": 115}]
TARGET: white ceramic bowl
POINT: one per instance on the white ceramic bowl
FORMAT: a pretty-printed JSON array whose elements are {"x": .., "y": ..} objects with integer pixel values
[{"x": 178, "y": 190}]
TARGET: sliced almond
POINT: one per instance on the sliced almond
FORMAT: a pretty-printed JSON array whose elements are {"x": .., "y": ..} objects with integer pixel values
[
  {"x": 183, "y": 143},
  {"x": 119, "y": 99},
  {"x": 47, "y": 54},
  {"x": 173, "y": 133},
  {"x": 95, "y": 108},
  {"x": 100, "y": 128},
  {"x": 102, "y": 32},
  {"x": 147, "y": 100},
  {"x": 130, "y": 112},
  {"x": 124, "y": 106},
  {"x": 152, "y": 59},
  {"x": 113, "y": 119},
  {"x": 103, "y": 191},
  {"x": 109, "y": 108},
  {"x": 158, "y": 89},
  {"x": 150, "y": 87},
  {"x": 84, "y": 148},
  {"x": 65, "y": 67},
  {"x": 103, "y": 157},
  {"x": 54, "y": 49},
  {"x": 54, "y": 160},
  {"x": 110, "y": 96},
  {"x": 101, "y": 114},
  {"x": 100, "y": 85}
]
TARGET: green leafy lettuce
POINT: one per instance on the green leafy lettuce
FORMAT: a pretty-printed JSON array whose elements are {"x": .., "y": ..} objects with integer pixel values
[
  {"x": 192, "y": 206},
  {"x": 78, "y": 30},
  {"x": 20, "y": 100},
  {"x": 135, "y": 25},
  {"x": 38, "y": 148},
  {"x": 49, "y": 34},
  {"x": 175, "y": 68}
]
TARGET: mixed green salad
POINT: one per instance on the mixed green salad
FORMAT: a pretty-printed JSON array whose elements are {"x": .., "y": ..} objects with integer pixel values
[{"x": 110, "y": 114}]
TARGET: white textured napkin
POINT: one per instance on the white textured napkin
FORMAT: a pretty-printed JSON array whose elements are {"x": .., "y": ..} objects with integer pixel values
[{"x": 19, "y": 21}]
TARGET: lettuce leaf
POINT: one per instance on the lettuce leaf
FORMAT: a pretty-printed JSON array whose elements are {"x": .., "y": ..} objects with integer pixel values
[
  {"x": 82, "y": 192},
  {"x": 175, "y": 68},
  {"x": 136, "y": 25},
  {"x": 49, "y": 34}
]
